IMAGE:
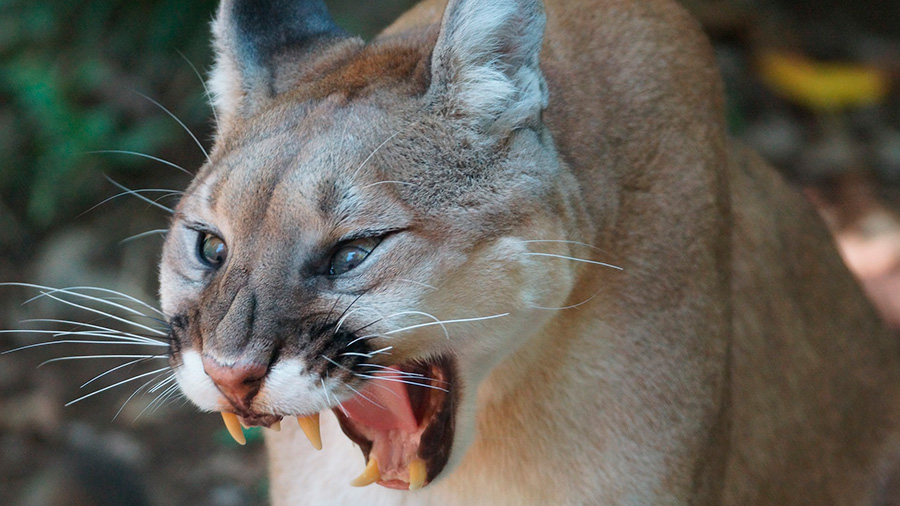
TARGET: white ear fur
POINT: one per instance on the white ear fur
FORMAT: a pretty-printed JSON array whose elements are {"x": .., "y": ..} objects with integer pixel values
[
  {"x": 485, "y": 63},
  {"x": 224, "y": 81},
  {"x": 263, "y": 47}
]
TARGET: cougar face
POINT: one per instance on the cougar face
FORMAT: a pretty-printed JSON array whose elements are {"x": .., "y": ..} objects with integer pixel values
[{"x": 368, "y": 248}]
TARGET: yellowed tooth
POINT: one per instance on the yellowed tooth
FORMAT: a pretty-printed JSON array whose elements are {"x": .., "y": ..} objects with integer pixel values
[
  {"x": 276, "y": 426},
  {"x": 417, "y": 473},
  {"x": 369, "y": 475},
  {"x": 310, "y": 426},
  {"x": 234, "y": 427}
]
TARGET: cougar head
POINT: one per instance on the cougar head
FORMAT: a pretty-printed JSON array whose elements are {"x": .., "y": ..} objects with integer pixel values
[{"x": 375, "y": 228}]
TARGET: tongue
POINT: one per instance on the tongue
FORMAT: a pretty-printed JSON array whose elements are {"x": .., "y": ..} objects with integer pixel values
[{"x": 383, "y": 405}]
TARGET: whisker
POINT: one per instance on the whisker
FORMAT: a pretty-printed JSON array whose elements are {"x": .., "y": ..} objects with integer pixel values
[
  {"x": 574, "y": 259},
  {"x": 369, "y": 376},
  {"x": 112, "y": 370},
  {"x": 167, "y": 191},
  {"x": 109, "y": 315},
  {"x": 205, "y": 88},
  {"x": 137, "y": 390},
  {"x": 138, "y": 195},
  {"x": 92, "y": 288},
  {"x": 186, "y": 129},
  {"x": 159, "y": 231},
  {"x": 437, "y": 321},
  {"x": 129, "y": 380},
  {"x": 364, "y": 397},
  {"x": 67, "y": 291},
  {"x": 370, "y": 354},
  {"x": 365, "y": 337},
  {"x": 398, "y": 380},
  {"x": 84, "y": 357},
  {"x": 585, "y": 301},
  {"x": 80, "y": 341},
  {"x": 99, "y": 328},
  {"x": 364, "y": 162},
  {"x": 586, "y": 245},
  {"x": 443, "y": 322},
  {"x": 143, "y": 155}
]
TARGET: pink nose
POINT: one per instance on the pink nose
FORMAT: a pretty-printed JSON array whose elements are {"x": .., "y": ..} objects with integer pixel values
[{"x": 238, "y": 382}]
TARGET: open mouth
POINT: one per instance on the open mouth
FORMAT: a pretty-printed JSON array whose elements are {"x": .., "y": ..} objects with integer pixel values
[{"x": 402, "y": 419}]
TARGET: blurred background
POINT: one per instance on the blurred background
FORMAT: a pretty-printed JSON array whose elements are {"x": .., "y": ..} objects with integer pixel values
[{"x": 812, "y": 86}]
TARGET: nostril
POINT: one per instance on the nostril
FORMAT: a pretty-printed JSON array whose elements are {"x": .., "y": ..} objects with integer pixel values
[{"x": 239, "y": 382}]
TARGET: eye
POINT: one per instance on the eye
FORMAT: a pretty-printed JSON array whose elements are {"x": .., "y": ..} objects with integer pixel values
[
  {"x": 211, "y": 249},
  {"x": 349, "y": 255}
]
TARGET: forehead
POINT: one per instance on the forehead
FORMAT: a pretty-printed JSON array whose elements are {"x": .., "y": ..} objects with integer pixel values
[{"x": 298, "y": 164}]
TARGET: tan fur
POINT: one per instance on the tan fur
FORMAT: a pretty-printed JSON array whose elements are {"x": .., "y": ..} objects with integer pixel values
[{"x": 732, "y": 360}]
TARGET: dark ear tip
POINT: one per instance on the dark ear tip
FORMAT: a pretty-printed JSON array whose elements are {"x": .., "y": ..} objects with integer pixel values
[{"x": 263, "y": 28}]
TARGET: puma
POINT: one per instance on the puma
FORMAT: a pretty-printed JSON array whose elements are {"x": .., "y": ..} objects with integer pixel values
[{"x": 512, "y": 257}]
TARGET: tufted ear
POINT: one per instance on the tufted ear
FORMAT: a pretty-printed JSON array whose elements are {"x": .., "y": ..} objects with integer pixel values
[
  {"x": 485, "y": 63},
  {"x": 263, "y": 47}
]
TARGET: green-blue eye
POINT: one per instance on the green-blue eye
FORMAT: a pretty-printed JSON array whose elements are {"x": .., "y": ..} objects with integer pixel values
[
  {"x": 349, "y": 255},
  {"x": 211, "y": 249}
]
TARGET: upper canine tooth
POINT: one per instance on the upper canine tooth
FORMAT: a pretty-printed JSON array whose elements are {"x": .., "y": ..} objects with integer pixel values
[
  {"x": 276, "y": 426},
  {"x": 369, "y": 475},
  {"x": 234, "y": 427},
  {"x": 310, "y": 426},
  {"x": 417, "y": 474}
]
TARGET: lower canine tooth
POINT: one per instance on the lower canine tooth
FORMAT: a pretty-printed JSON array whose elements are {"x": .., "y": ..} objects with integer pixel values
[
  {"x": 234, "y": 427},
  {"x": 369, "y": 475},
  {"x": 310, "y": 426},
  {"x": 417, "y": 474}
]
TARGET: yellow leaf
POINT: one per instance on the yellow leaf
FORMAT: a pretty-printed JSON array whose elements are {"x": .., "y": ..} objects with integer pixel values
[{"x": 822, "y": 86}]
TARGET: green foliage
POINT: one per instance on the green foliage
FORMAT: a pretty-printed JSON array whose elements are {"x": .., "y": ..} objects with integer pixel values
[
  {"x": 71, "y": 75},
  {"x": 71, "y": 79}
]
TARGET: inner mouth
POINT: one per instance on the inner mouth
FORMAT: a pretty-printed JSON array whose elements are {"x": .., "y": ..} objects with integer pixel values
[{"x": 403, "y": 421}]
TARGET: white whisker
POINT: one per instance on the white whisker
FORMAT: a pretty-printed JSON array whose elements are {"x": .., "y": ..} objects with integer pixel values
[
  {"x": 364, "y": 397},
  {"x": 368, "y": 355},
  {"x": 363, "y": 338},
  {"x": 159, "y": 231},
  {"x": 136, "y": 391},
  {"x": 112, "y": 370},
  {"x": 109, "y": 315},
  {"x": 586, "y": 245},
  {"x": 206, "y": 92},
  {"x": 135, "y": 153},
  {"x": 71, "y": 290},
  {"x": 574, "y": 259},
  {"x": 443, "y": 322},
  {"x": 157, "y": 371},
  {"x": 86, "y": 357},
  {"x": 168, "y": 193},
  {"x": 138, "y": 195},
  {"x": 437, "y": 321},
  {"x": 398, "y": 380},
  {"x": 80, "y": 341},
  {"x": 186, "y": 129},
  {"x": 363, "y": 164},
  {"x": 99, "y": 328}
]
